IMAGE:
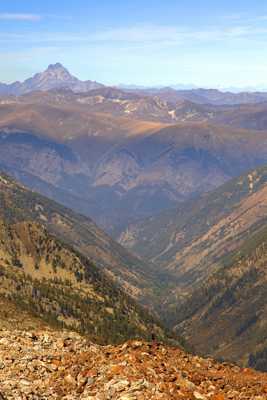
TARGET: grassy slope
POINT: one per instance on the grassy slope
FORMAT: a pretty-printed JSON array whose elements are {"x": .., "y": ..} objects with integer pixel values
[
  {"x": 78, "y": 231},
  {"x": 160, "y": 238},
  {"x": 228, "y": 310},
  {"x": 45, "y": 274}
]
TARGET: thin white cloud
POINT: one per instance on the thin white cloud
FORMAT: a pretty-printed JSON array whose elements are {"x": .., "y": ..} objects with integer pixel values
[
  {"x": 173, "y": 34},
  {"x": 20, "y": 17},
  {"x": 244, "y": 18},
  {"x": 145, "y": 35}
]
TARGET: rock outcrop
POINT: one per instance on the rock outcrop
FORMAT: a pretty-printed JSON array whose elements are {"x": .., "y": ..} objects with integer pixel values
[{"x": 47, "y": 364}]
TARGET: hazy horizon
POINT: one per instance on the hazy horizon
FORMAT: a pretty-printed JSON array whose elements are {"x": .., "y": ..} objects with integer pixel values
[{"x": 176, "y": 86}]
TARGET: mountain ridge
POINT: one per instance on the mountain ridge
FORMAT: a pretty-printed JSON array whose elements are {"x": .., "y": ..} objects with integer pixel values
[
  {"x": 56, "y": 76},
  {"x": 80, "y": 232},
  {"x": 59, "y": 266}
]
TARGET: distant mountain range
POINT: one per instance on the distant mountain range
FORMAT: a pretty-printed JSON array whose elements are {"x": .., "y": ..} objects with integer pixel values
[
  {"x": 205, "y": 96},
  {"x": 118, "y": 156},
  {"x": 54, "y": 77},
  {"x": 183, "y": 86},
  {"x": 142, "y": 87}
]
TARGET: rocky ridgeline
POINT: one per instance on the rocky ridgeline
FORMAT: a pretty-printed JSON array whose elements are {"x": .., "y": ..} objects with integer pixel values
[{"x": 46, "y": 364}]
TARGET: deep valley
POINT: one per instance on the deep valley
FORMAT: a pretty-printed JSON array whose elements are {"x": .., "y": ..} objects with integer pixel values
[{"x": 132, "y": 214}]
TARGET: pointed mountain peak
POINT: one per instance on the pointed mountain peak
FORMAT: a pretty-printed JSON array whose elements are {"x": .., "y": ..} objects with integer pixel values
[
  {"x": 58, "y": 70},
  {"x": 56, "y": 66},
  {"x": 55, "y": 73}
]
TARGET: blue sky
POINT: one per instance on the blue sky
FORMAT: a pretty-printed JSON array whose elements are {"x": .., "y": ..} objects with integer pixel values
[{"x": 139, "y": 42}]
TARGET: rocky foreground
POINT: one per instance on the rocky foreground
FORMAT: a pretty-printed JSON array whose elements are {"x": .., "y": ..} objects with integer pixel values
[{"x": 46, "y": 364}]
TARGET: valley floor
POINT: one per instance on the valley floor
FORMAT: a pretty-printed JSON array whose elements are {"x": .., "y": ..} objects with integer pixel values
[{"x": 37, "y": 362}]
